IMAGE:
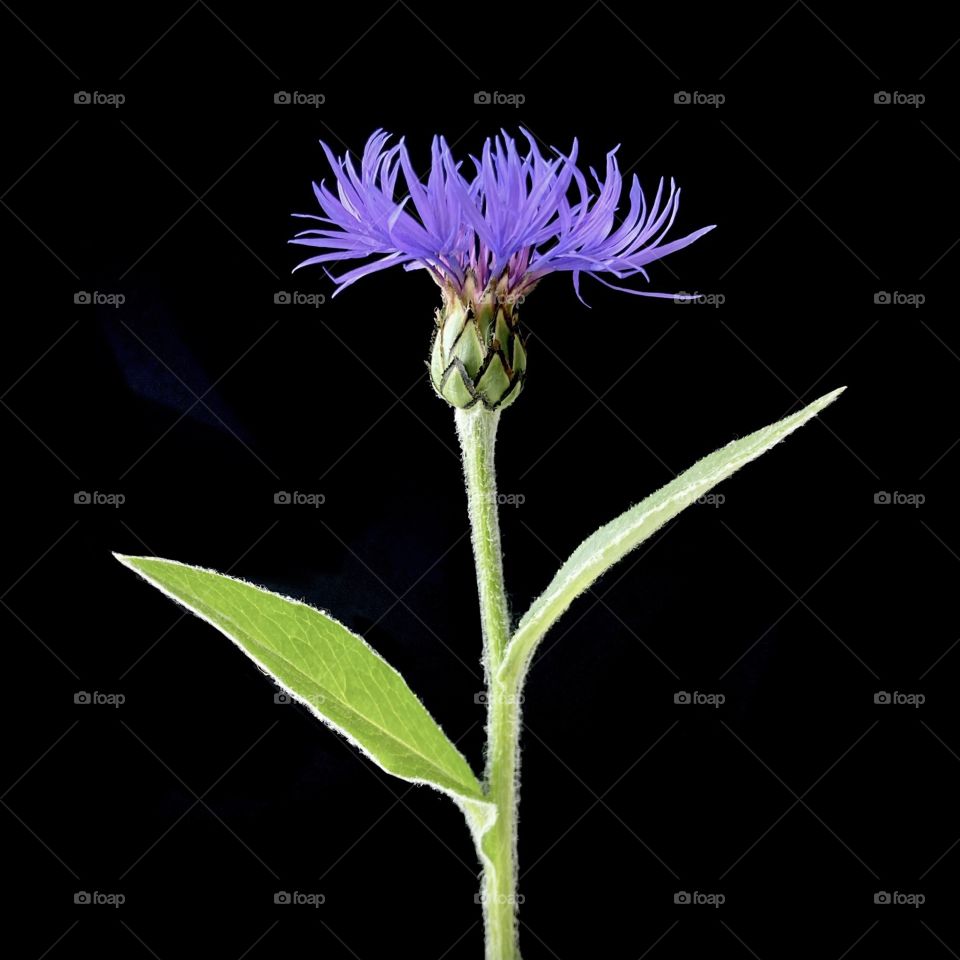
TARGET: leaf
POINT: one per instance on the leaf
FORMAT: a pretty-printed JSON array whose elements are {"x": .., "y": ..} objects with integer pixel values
[
  {"x": 331, "y": 670},
  {"x": 599, "y": 552}
]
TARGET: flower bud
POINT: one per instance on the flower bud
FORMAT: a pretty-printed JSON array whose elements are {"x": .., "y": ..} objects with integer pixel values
[{"x": 477, "y": 354}]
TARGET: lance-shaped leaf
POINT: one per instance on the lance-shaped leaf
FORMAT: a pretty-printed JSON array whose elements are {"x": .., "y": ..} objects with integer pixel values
[
  {"x": 331, "y": 670},
  {"x": 599, "y": 552}
]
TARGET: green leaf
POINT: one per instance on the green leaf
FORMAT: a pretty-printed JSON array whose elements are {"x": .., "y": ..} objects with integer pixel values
[
  {"x": 331, "y": 670},
  {"x": 599, "y": 552}
]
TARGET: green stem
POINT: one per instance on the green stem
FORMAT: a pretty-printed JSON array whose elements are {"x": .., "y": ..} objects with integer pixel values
[{"x": 477, "y": 429}]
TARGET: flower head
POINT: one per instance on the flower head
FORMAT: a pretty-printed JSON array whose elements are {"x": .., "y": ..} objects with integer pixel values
[
  {"x": 487, "y": 239},
  {"x": 519, "y": 217}
]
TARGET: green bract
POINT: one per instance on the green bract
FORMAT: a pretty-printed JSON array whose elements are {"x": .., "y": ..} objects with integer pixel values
[{"x": 477, "y": 356}]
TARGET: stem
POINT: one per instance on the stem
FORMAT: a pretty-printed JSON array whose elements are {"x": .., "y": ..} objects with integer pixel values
[{"x": 477, "y": 429}]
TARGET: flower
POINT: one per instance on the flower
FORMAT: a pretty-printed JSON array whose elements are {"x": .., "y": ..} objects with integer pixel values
[
  {"x": 487, "y": 241},
  {"x": 514, "y": 219}
]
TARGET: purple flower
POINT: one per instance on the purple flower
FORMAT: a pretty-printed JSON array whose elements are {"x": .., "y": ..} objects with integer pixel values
[{"x": 517, "y": 219}]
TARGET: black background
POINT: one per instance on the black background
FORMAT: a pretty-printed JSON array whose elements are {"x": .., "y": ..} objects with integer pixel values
[{"x": 797, "y": 598}]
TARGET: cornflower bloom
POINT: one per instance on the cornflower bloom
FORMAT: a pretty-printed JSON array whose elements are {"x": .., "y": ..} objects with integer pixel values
[{"x": 487, "y": 240}]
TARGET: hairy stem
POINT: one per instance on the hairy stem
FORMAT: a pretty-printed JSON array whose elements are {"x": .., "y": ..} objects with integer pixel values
[{"x": 477, "y": 429}]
